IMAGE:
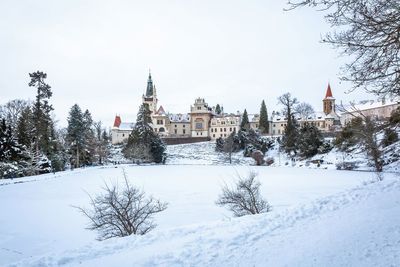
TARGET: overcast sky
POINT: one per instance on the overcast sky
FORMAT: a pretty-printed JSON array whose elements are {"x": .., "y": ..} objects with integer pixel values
[{"x": 98, "y": 53}]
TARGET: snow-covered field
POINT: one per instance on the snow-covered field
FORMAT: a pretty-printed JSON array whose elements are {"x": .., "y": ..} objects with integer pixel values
[{"x": 320, "y": 218}]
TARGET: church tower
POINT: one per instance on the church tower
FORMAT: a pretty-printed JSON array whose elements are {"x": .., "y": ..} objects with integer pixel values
[
  {"x": 329, "y": 101},
  {"x": 150, "y": 98}
]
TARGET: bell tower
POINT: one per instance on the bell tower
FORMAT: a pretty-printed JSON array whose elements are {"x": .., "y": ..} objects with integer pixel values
[
  {"x": 329, "y": 101},
  {"x": 150, "y": 98}
]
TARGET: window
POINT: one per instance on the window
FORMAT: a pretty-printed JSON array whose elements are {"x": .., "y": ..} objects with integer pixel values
[
  {"x": 212, "y": 130},
  {"x": 183, "y": 126},
  {"x": 176, "y": 131},
  {"x": 155, "y": 129},
  {"x": 224, "y": 135},
  {"x": 199, "y": 125},
  {"x": 230, "y": 129},
  {"x": 224, "y": 129},
  {"x": 161, "y": 130},
  {"x": 123, "y": 135},
  {"x": 184, "y": 131},
  {"x": 176, "y": 125},
  {"x": 198, "y": 108},
  {"x": 220, "y": 129},
  {"x": 159, "y": 122},
  {"x": 201, "y": 133},
  {"x": 213, "y": 135}
]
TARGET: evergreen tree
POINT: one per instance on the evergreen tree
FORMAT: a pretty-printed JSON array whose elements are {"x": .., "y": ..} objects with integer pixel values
[
  {"x": 264, "y": 124},
  {"x": 24, "y": 130},
  {"x": 218, "y": 109},
  {"x": 89, "y": 139},
  {"x": 245, "y": 124},
  {"x": 41, "y": 116},
  {"x": 310, "y": 139},
  {"x": 291, "y": 133},
  {"x": 143, "y": 144},
  {"x": 76, "y": 135}
]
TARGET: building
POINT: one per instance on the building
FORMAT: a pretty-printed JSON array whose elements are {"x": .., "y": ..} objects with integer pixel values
[
  {"x": 223, "y": 125},
  {"x": 203, "y": 122},
  {"x": 326, "y": 121},
  {"x": 376, "y": 109}
]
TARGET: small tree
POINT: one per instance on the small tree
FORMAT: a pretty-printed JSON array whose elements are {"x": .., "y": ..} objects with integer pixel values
[
  {"x": 290, "y": 135},
  {"x": 310, "y": 139},
  {"x": 124, "y": 211},
  {"x": 218, "y": 109},
  {"x": 264, "y": 124},
  {"x": 245, "y": 198}
]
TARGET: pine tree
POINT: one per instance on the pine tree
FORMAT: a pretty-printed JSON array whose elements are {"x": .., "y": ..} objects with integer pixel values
[
  {"x": 143, "y": 144},
  {"x": 218, "y": 109},
  {"x": 310, "y": 139},
  {"x": 264, "y": 124},
  {"x": 245, "y": 124},
  {"x": 76, "y": 134},
  {"x": 24, "y": 130},
  {"x": 41, "y": 112}
]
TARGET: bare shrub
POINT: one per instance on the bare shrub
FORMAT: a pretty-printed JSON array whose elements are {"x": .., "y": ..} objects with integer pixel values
[
  {"x": 119, "y": 212},
  {"x": 245, "y": 198}
]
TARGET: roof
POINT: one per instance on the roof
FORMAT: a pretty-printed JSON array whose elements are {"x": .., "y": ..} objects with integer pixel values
[
  {"x": 161, "y": 111},
  {"x": 328, "y": 92},
  {"x": 127, "y": 126},
  {"x": 179, "y": 117},
  {"x": 371, "y": 104},
  {"x": 117, "y": 121}
]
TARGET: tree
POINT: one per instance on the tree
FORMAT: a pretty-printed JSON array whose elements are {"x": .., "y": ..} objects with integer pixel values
[
  {"x": 310, "y": 139},
  {"x": 290, "y": 135},
  {"x": 245, "y": 124},
  {"x": 144, "y": 145},
  {"x": 42, "y": 121},
  {"x": 102, "y": 144},
  {"x": 230, "y": 145},
  {"x": 304, "y": 110},
  {"x": 76, "y": 134},
  {"x": 361, "y": 133},
  {"x": 218, "y": 109},
  {"x": 368, "y": 33},
  {"x": 122, "y": 211},
  {"x": 12, "y": 110},
  {"x": 264, "y": 123},
  {"x": 245, "y": 198},
  {"x": 24, "y": 130}
]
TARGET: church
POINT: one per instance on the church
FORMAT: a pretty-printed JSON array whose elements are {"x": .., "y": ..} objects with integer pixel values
[{"x": 202, "y": 123}]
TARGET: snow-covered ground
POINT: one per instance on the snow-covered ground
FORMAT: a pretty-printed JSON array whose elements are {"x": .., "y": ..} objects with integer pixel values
[{"x": 320, "y": 217}]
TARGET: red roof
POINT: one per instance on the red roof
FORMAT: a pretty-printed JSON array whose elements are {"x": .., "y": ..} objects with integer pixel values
[
  {"x": 328, "y": 91},
  {"x": 117, "y": 121}
]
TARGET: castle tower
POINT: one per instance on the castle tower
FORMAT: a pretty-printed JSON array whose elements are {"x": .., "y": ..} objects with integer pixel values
[
  {"x": 150, "y": 98},
  {"x": 329, "y": 101}
]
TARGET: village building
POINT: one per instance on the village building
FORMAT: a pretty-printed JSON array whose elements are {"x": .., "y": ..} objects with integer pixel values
[
  {"x": 376, "y": 109},
  {"x": 223, "y": 125}
]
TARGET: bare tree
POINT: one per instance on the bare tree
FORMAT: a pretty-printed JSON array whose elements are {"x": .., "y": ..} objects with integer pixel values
[
  {"x": 368, "y": 32},
  {"x": 288, "y": 102},
  {"x": 245, "y": 198},
  {"x": 363, "y": 130},
  {"x": 304, "y": 110},
  {"x": 122, "y": 211},
  {"x": 12, "y": 110}
]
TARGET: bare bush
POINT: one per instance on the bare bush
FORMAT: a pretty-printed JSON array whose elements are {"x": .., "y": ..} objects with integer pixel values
[
  {"x": 245, "y": 198},
  {"x": 119, "y": 212}
]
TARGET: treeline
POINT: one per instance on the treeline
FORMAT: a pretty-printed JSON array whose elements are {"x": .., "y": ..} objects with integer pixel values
[{"x": 31, "y": 144}]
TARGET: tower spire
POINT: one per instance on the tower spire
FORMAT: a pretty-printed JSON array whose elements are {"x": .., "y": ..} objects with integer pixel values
[{"x": 149, "y": 90}]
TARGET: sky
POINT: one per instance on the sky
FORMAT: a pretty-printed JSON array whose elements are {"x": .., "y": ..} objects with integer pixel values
[{"x": 232, "y": 52}]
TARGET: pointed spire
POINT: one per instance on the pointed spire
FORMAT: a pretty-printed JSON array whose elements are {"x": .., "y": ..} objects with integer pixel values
[
  {"x": 328, "y": 91},
  {"x": 149, "y": 90},
  {"x": 117, "y": 121}
]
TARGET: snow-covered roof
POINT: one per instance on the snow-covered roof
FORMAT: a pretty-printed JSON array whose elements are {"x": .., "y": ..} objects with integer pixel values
[
  {"x": 312, "y": 117},
  {"x": 179, "y": 117},
  {"x": 126, "y": 126},
  {"x": 254, "y": 117},
  {"x": 370, "y": 104}
]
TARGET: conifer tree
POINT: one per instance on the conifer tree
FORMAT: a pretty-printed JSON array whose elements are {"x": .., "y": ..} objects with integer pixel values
[
  {"x": 41, "y": 117},
  {"x": 310, "y": 139},
  {"x": 245, "y": 124},
  {"x": 143, "y": 144},
  {"x": 264, "y": 124},
  {"x": 218, "y": 109},
  {"x": 76, "y": 134},
  {"x": 290, "y": 134},
  {"x": 24, "y": 130}
]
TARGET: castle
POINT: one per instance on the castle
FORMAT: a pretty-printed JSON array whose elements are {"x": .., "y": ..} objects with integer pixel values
[{"x": 203, "y": 122}]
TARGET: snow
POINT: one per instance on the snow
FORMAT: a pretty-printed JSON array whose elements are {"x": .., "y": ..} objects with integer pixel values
[{"x": 320, "y": 217}]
